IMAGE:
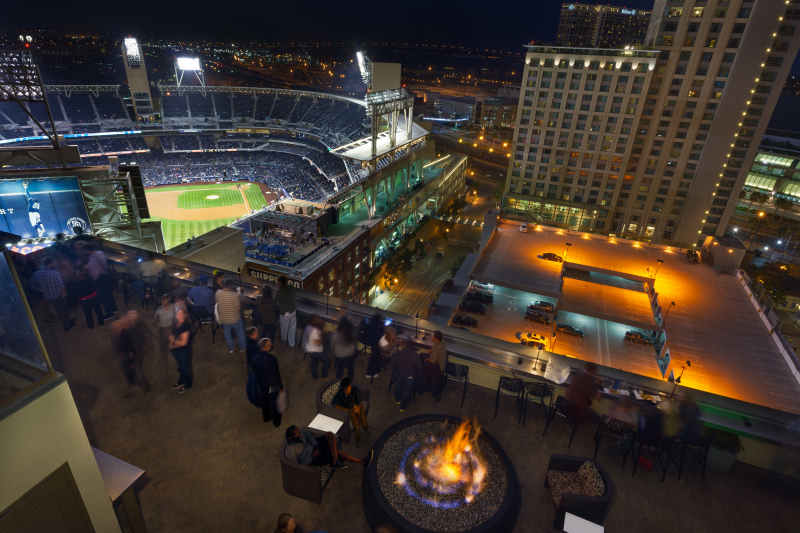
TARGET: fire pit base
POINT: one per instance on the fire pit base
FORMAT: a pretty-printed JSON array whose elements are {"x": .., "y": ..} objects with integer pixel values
[{"x": 396, "y": 492}]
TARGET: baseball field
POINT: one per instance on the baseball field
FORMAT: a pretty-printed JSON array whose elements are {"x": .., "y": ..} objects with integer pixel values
[{"x": 188, "y": 211}]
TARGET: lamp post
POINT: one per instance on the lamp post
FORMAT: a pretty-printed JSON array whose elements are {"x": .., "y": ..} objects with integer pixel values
[
  {"x": 566, "y": 250},
  {"x": 659, "y": 264},
  {"x": 677, "y": 381},
  {"x": 666, "y": 313}
]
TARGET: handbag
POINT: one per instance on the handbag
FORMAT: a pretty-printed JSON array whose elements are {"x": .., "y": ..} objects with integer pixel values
[{"x": 281, "y": 401}]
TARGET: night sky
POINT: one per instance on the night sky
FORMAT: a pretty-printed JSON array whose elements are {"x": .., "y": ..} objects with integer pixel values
[{"x": 469, "y": 22}]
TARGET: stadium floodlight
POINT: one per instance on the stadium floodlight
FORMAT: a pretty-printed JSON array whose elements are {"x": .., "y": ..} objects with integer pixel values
[
  {"x": 189, "y": 64},
  {"x": 363, "y": 67},
  {"x": 133, "y": 55},
  {"x": 192, "y": 65}
]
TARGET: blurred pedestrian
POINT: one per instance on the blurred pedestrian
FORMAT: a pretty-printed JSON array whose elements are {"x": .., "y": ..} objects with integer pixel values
[
  {"x": 129, "y": 340},
  {"x": 406, "y": 369},
  {"x": 86, "y": 292},
  {"x": 229, "y": 314},
  {"x": 582, "y": 390},
  {"x": 165, "y": 321},
  {"x": 265, "y": 367},
  {"x": 268, "y": 313},
  {"x": 97, "y": 266},
  {"x": 314, "y": 347},
  {"x": 201, "y": 300},
  {"x": 343, "y": 345},
  {"x": 287, "y": 307},
  {"x": 435, "y": 365},
  {"x": 180, "y": 345},
  {"x": 47, "y": 280}
]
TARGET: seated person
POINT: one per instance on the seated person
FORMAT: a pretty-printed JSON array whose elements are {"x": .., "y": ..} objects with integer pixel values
[
  {"x": 348, "y": 398},
  {"x": 322, "y": 450}
]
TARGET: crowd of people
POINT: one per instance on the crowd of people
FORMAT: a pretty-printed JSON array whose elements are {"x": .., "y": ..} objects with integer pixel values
[{"x": 77, "y": 274}]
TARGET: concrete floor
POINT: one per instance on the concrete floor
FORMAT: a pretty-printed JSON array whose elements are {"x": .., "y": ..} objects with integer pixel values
[{"x": 212, "y": 464}]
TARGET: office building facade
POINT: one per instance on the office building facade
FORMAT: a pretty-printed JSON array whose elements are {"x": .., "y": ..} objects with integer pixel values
[
  {"x": 719, "y": 69},
  {"x": 601, "y": 26}
]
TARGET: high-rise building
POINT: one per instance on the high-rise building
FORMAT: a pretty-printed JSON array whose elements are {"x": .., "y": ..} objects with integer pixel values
[
  {"x": 601, "y": 26},
  {"x": 718, "y": 72}
]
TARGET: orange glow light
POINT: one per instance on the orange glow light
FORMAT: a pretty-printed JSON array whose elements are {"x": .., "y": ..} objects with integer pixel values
[{"x": 637, "y": 245}]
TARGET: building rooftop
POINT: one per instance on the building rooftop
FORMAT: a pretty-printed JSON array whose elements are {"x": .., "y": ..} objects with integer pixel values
[
  {"x": 712, "y": 323},
  {"x": 630, "y": 52},
  {"x": 361, "y": 149}
]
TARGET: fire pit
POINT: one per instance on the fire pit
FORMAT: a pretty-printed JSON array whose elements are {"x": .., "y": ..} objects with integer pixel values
[{"x": 440, "y": 473}]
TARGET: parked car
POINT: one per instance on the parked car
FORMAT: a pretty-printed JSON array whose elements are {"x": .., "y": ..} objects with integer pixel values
[
  {"x": 547, "y": 307},
  {"x": 523, "y": 228},
  {"x": 465, "y": 320},
  {"x": 569, "y": 330},
  {"x": 637, "y": 337},
  {"x": 535, "y": 315},
  {"x": 693, "y": 256},
  {"x": 531, "y": 339},
  {"x": 550, "y": 256},
  {"x": 472, "y": 306},
  {"x": 480, "y": 296}
]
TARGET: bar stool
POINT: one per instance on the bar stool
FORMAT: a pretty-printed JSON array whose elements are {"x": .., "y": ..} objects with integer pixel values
[
  {"x": 562, "y": 408},
  {"x": 621, "y": 433},
  {"x": 538, "y": 392},
  {"x": 459, "y": 374},
  {"x": 510, "y": 387}
]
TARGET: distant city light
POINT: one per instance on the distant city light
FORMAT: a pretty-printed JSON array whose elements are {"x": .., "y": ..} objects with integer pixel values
[{"x": 780, "y": 241}]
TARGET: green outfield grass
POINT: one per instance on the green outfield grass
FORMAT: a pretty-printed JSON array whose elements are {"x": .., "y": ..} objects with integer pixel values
[
  {"x": 198, "y": 198},
  {"x": 255, "y": 197},
  {"x": 179, "y": 231}
]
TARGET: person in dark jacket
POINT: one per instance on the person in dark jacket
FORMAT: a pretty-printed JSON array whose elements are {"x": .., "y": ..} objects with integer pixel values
[
  {"x": 406, "y": 370},
  {"x": 128, "y": 336},
  {"x": 348, "y": 398},
  {"x": 268, "y": 312},
  {"x": 86, "y": 291},
  {"x": 268, "y": 374}
]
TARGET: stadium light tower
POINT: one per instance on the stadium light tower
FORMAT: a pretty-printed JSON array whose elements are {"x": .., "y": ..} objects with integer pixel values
[
  {"x": 21, "y": 82},
  {"x": 364, "y": 68},
  {"x": 192, "y": 66}
]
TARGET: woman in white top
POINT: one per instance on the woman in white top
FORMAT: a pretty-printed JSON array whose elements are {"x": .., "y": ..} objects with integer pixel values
[{"x": 314, "y": 347}]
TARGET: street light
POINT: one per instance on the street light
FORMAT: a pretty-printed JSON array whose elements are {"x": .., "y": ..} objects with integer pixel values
[
  {"x": 566, "y": 250},
  {"x": 660, "y": 262}
]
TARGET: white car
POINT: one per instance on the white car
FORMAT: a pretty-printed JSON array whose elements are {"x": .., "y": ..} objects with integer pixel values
[{"x": 523, "y": 228}]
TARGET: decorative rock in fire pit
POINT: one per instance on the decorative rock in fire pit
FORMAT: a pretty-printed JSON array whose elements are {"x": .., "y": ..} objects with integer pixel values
[{"x": 436, "y": 473}]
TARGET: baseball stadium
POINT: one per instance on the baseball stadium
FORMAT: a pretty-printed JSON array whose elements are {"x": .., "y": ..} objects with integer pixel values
[{"x": 208, "y": 155}]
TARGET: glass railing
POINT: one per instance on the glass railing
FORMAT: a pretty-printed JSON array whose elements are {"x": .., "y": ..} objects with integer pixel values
[{"x": 484, "y": 354}]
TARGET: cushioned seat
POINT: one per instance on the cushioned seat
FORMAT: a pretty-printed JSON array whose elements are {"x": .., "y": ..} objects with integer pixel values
[{"x": 578, "y": 486}]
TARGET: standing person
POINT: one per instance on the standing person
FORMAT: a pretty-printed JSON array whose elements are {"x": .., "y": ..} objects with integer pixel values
[
  {"x": 217, "y": 281},
  {"x": 86, "y": 293},
  {"x": 97, "y": 265},
  {"x": 343, "y": 345},
  {"x": 268, "y": 311},
  {"x": 348, "y": 398},
  {"x": 386, "y": 346},
  {"x": 435, "y": 365},
  {"x": 180, "y": 344},
  {"x": 268, "y": 374},
  {"x": 229, "y": 313},
  {"x": 314, "y": 347},
  {"x": 287, "y": 307},
  {"x": 406, "y": 368},
  {"x": 48, "y": 281},
  {"x": 582, "y": 390},
  {"x": 165, "y": 321},
  {"x": 128, "y": 340}
]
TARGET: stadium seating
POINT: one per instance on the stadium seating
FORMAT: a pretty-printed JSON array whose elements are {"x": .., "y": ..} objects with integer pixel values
[{"x": 79, "y": 108}]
